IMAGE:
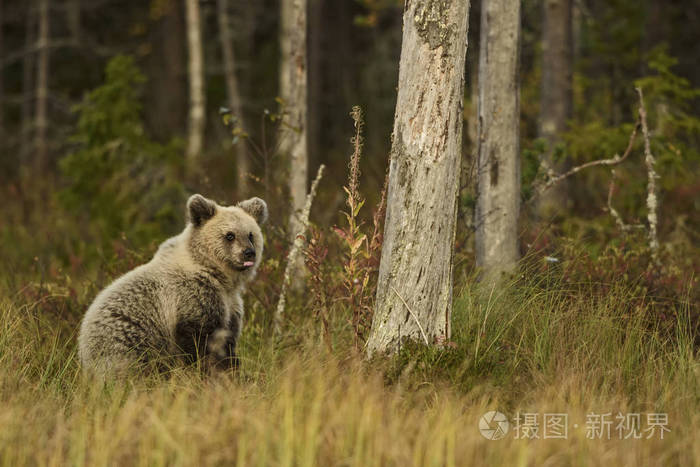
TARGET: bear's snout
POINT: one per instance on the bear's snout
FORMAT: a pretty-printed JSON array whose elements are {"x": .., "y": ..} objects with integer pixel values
[{"x": 249, "y": 254}]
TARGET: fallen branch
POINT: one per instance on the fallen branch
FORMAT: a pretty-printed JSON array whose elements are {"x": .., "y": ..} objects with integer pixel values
[
  {"x": 296, "y": 247},
  {"x": 615, "y": 160}
]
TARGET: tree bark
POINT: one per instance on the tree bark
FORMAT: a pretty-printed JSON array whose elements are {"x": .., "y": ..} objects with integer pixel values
[
  {"x": 557, "y": 49},
  {"x": 42, "y": 87},
  {"x": 234, "y": 95},
  {"x": 195, "y": 137},
  {"x": 414, "y": 290},
  {"x": 293, "y": 82},
  {"x": 498, "y": 169}
]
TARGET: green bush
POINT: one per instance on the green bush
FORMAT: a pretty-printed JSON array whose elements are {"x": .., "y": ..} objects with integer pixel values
[{"x": 121, "y": 182}]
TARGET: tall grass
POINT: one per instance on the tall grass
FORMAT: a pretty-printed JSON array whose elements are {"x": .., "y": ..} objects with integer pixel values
[{"x": 532, "y": 346}]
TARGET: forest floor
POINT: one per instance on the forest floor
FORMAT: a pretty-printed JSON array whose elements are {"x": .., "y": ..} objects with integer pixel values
[{"x": 581, "y": 378}]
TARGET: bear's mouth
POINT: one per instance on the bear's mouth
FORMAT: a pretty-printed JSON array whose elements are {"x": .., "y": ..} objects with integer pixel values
[{"x": 241, "y": 266}]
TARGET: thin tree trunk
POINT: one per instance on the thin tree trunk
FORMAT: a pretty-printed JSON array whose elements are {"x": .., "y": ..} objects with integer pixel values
[
  {"x": 73, "y": 19},
  {"x": 498, "y": 169},
  {"x": 2, "y": 87},
  {"x": 316, "y": 29},
  {"x": 293, "y": 82},
  {"x": 27, "y": 130},
  {"x": 42, "y": 87},
  {"x": 234, "y": 95},
  {"x": 557, "y": 49},
  {"x": 166, "y": 106},
  {"x": 195, "y": 137},
  {"x": 414, "y": 290}
]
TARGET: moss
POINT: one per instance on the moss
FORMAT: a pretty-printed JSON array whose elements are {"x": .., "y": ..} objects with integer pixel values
[{"x": 430, "y": 20}]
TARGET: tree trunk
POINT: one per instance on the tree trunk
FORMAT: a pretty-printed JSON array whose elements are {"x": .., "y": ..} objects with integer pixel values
[
  {"x": 315, "y": 75},
  {"x": 27, "y": 130},
  {"x": 293, "y": 139},
  {"x": 414, "y": 290},
  {"x": 498, "y": 169},
  {"x": 234, "y": 96},
  {"x": 557, "y": 49},
  {"x": 195, "y": 137},
  {"x": 166, "y": 106},
  {"x": 42, "y": 87},
  {"x": 2, "y": 87}
]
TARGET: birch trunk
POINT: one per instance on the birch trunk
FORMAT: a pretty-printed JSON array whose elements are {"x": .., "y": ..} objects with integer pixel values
[
  {"x": 42, "y": 87},
  {"x": 234, "y": 95},
  {"x": 195, "y": 137},
  {"x": 498, "y": 169},
  {"x": 293, "y": 82},
  {"x": 414, "y": 291},
  {"x": 557, "y": 49}
]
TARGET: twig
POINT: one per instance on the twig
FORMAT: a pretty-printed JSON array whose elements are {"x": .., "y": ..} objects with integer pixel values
[
  {"x": 650, "y": 161},
  {"x": 615, "y": 160},
  {"x": 412, "y": 314},
  {"x": 294, "y": 251},
  {"x": 618, "y": 219}
]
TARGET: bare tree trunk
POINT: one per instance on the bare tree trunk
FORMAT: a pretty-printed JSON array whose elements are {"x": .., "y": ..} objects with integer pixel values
[
  {"x": 234, "y": 95},
  {"x": 498, "y": 169},
  {"x": 195, "y": 137},
  {"x": 27, "y": 132},
  {"x": 73, "y": 20},
  {"x": 414, "y": 290},
  {"x": 315, "y": 75},
  {"x": 2, "y": 88},
  {"x": 42, "y": 87},
  {"x": 557, "y": 49},
  {"x": 293, "y": 139}
]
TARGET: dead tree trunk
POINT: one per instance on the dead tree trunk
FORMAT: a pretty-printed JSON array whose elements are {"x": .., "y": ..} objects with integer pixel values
[
  {"x": 195, "y": 136},
  {"x": 293, "y": 82},
  {"x": 42, "y": 87},
  {"x": 557, "y": 49},
  {"x": 498, "y": 165},
  {"x": 414, "y": 291},
  {"x": 234, "y": 95}
]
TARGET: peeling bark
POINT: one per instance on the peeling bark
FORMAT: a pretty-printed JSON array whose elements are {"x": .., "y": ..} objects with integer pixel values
[
  {"x": 414, "y": 291},
  {"x": 498, "y": 169}
]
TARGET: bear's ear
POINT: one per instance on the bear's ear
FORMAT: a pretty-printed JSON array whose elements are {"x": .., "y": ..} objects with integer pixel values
[
  {"x": 256, "y": 207},
  {"x": 200, "y": 209}
]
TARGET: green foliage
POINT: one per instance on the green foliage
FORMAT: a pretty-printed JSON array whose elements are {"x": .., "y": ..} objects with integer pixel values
[
  {"x": 118, "y": 178},
  {"x": 671, "y": 101}
]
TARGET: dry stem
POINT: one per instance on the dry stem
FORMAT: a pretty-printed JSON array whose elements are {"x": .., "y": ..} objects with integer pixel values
[{"x": 296, "y": 247}]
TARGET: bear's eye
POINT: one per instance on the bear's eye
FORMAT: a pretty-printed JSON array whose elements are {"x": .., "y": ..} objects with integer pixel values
[
  {"x": 250, "y": 237},
  {"x": 230, "y": 236}
]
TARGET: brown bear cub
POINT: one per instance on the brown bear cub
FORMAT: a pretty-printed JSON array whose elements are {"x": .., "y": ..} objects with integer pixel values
[{"x": 184, "y": 304}]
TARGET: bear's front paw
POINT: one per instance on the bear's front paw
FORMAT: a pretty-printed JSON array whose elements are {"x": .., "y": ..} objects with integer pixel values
[{"x": 222, "y": 346}]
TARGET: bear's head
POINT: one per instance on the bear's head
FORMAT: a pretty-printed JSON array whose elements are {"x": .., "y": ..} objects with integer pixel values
[{"x": 227, "y": 237}]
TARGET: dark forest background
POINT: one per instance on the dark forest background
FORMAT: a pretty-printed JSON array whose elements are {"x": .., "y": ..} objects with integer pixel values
[{"x": 104, "y": 166}]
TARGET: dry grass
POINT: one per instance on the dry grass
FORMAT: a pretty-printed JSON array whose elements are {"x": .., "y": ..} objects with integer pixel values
[{"x": 521, "y": 348}]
